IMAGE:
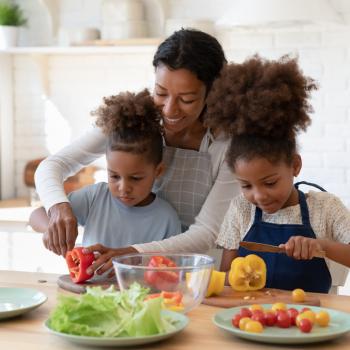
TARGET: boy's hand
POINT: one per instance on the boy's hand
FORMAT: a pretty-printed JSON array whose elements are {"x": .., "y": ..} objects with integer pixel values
[
  {"x": 301, "y": 248},
  {"x": 62, "y": 230},
  {"x": 103, "y": 261}
]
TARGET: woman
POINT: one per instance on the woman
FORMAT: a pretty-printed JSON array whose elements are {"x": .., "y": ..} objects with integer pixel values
[{"x": 197, "y": 181}]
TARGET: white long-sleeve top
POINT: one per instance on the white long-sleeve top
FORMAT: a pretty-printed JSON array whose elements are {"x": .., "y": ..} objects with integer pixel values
[{"x": 199, "y": 237}]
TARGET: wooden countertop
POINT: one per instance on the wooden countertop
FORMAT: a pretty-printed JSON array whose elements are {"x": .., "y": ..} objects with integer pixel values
[{"x": 27, "y": 332}]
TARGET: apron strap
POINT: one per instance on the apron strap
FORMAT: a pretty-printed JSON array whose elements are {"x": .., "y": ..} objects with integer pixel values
[
  {"x": 304, "y": 209},
  {"x": 258, "y": 215},
  {"x": 309, "y": 184}
]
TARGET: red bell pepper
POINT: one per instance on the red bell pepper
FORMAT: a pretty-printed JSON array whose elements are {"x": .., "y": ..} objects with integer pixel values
[
  {"x": 77, "y": 263},
  {"x": 162, "y": 280}
]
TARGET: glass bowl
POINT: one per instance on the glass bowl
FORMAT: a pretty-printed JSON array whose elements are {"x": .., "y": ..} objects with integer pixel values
[{"x": 183, "y": 285}]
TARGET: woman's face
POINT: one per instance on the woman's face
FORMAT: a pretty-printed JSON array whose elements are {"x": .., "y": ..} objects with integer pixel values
[{"x": 181, "y": 96}]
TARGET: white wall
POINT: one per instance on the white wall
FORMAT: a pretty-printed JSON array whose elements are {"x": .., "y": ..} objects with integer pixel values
[{"x": 78, "y": 82}]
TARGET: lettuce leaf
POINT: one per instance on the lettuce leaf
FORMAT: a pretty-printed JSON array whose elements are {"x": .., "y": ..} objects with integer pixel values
[{"x": 110, "y": 313}]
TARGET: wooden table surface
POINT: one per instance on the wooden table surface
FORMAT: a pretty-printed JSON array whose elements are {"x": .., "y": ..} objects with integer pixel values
[{"x": 27, "y": 331}]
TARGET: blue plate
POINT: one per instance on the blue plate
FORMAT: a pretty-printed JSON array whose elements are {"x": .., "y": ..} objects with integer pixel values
[
  {"x": 338, "y": 326},
  {"x": 180, "y": 321},
  {"x": 17, "y": 301}
]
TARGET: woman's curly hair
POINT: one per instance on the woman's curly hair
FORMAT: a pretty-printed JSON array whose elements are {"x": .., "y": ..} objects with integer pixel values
[
  {"x": 262, "y": 104},
  {"x": 132, "y": 123}
]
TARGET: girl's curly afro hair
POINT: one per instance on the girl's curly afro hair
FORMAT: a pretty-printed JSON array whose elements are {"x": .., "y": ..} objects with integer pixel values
[
  {"x": 262, "y": 105},
  {"x": 132, "y": 123}
]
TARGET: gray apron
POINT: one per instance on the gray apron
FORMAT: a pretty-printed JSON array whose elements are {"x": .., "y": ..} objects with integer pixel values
[{"x": 187, "y": 180}]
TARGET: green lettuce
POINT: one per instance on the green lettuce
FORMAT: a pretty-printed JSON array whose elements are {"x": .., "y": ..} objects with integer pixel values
[{"x": 110, "y": 313}]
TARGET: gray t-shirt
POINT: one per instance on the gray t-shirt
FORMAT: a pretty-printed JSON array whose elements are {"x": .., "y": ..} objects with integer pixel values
[{"x": 108, "y": 221}]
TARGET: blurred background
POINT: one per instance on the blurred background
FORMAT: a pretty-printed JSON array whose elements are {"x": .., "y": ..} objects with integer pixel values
[{"x": 71, "y": 53}]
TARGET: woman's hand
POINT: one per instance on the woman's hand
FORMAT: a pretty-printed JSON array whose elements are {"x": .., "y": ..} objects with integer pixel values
[
  {"x": 302, "y": 248},
  {"x": 104, "y": 257},
  {"x": 62, "y": 230}
]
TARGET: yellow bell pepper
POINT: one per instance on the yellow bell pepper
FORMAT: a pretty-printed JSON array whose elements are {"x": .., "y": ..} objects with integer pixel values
[
  {"x": 248, "y": 273},
  {"x": 216, "y": 283}
]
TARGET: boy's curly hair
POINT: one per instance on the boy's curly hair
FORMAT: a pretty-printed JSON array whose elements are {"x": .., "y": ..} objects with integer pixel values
[
  {"x": 132, "y": 123},
  {"x": 262, "y": 105}
]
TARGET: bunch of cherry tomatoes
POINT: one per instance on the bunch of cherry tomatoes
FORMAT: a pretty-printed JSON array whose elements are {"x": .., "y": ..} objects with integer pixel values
[{"x": 255, "y": 318}]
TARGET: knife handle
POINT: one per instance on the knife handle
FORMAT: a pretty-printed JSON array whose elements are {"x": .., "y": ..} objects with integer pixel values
[{"x": 320, "y": 254}]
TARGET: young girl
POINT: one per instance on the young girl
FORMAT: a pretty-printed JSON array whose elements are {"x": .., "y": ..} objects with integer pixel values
[
  {"x": 124, "y": 211},
  {"x": 264, "y": 104}
]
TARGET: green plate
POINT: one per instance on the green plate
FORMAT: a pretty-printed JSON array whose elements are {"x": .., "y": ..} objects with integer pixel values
[
  {"x": 180, "y": 319},
  {"x": 17, "y": 301},
  {"x": 339, "y": 325}
]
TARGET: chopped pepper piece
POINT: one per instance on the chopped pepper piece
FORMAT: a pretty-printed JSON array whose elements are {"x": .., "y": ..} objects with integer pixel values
[
  {"x": 77, "y": 263},
  {"x": 248, "y": 273},
  {"x": 171, "y": 300},
  {"x": 216, "y": 283},
  {"x": 165, "y": 280}
]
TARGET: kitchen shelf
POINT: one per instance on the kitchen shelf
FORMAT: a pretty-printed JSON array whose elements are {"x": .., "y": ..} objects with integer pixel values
[{"x": 136, "y": 45}]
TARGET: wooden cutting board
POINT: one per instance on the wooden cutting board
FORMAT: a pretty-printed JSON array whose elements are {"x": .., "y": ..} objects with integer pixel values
[
  {"x": 231, "y": 298},
  {"x": 65, "y": 282}
]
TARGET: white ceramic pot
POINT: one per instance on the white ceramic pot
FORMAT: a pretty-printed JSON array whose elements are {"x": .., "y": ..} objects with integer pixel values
[
  {"x": 124, "y": 30},
  {"x": 8, "y": 37},
  {"x": 121, "y": 10}
]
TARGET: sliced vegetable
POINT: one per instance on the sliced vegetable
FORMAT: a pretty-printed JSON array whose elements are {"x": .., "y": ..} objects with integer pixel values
[
  {"x": 248, "y": 273},
  {"x": 165, "y": 280},
  {"x": 77, "y": 263},
  {"x": 171, "y": 300},
  {"x": 216, "y": 283}
]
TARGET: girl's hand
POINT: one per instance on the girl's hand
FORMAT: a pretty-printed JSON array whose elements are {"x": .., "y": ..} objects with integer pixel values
[
  {"x": 104, "y": 257},
  {"x": 301, "y": 248}
]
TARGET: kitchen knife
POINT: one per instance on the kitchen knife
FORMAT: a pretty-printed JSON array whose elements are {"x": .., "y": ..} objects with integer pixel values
[{"x": 268, "y": 248}]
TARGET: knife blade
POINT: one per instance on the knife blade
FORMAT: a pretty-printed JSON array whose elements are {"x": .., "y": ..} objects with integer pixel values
[{"x": 268, "y": 248}]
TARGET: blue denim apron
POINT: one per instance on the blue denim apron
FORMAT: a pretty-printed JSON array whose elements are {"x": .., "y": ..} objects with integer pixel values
[{"x": 284, "y": 272}]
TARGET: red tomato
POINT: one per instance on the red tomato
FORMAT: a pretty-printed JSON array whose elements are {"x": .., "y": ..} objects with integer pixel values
[
  {"x": 259, "y": 316},
  {"x": 162, "y": 280},
  {"x": 235, "y": 320},
  {"x": 270, "y": 318},
  {"x": 305, "y": 325},
  {"x": 293, "y": 313},
  {"x": 77, "y": 263},
  {"x": 283, "y": 319},
  {"x": 245, "y": 312}
]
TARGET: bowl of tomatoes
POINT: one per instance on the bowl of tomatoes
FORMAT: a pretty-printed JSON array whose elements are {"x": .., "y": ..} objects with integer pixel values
[{"x": 180, "y": 279}]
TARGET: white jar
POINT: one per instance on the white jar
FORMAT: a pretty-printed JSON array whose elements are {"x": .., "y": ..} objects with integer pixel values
[{"x": 113, "y": 11}]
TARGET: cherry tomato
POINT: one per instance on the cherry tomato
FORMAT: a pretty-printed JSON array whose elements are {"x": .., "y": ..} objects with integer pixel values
[
  {"x": 322, "y": 318},
  {"x": 259, "y": 316},
  {"x": 310, "y": 315},
  {"x": 305, "y": 325},
  {"x": 235, "y": 320},
  {"x": 279, "y": 306},
  {"x": 243, "y": 322},
  {"x": 270, "y": 318},
  {"x": 256, "y": 307},
  {"x": 254, "y": 327},
  {"x": 298, "y": 295},
  {"x": 293, "y": 314},
  {"x": 283, "y": 319},
  {"x": 245, "y": 312}
]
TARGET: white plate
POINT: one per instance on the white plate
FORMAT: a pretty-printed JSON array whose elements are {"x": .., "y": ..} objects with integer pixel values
[
  {"x": 338, "y": 326},
  {"x": 180, "y": 319},
  {"x": 17, "y": 301}
]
